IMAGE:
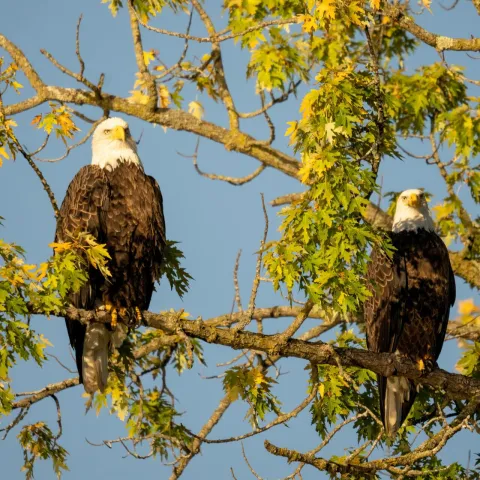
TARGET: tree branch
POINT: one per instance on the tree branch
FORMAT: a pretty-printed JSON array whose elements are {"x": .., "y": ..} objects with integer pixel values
[
  {"x": 220, "y": 36},
  {"x": 21, "y": 61},
  {"x": 44, "y": 182},
  {"x": 212, "y": 176},
  {"x": 142, "y": 67},
  {"x": 438, "y": 42},
  {"x": 428, "y": 448},
  {"x": 206, "y": 429},
  {"x": 386, "y": 364},
  {"x": 219, "y": 71},
  {"x": 47, "y": 391}
]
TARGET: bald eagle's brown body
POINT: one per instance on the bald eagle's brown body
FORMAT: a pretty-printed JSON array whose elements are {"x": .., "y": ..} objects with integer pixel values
[
  {"x": 408, "y": 312},
  {"x": 121, "y": 207}
]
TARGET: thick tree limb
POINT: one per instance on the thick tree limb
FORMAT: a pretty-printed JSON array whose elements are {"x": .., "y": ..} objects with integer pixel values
[
  {"x": 438, "y": 42},
  {"x": 174, "y": 119},
  {"x": 455, "y": 385}
]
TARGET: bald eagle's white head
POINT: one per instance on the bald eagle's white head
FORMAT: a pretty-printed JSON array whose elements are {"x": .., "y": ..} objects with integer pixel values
[
  {"x": 112, "y": 144},
  {"x": 412, "y": 212}
]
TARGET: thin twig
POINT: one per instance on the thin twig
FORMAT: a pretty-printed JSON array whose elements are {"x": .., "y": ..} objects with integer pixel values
[
  {"x": 22, "y": 414},
  {"x": 256, "y": 281},
  {"x": 73, "y": 146},
  {"x": 218, "y": 37},
  {"x": 231, "y": 180},
  {"x": 254, "y": 473},
  {"x": 60, "y": 363},
  {"x": 59, "y": 416},
  {"x": 281, "y": 419},
  {"x": 238, "y": 299},
  {"x": 45, "y": 184},
  {"x": 182, "y": 56},
  {"x": 77, "y": 47}
]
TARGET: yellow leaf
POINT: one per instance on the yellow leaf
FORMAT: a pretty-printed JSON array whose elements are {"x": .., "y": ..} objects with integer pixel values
[
  {"x": 60, "y": 247},
  {"x": 292, "y": 128},
  {"x": 164, "y": 95},
  {"x": 67, "y": 126},
  {"x": 196, "y": 109},
  {"x": 138, "y": 97},
  {"x": 42, "y": 271},
  {"x": 321, "y": 390},
  {"x": 139, "y": 82},
  {"x": 326, "y": 8},
  {"x": 308, "y": 23},
  {"x": 3, "y": 153},
  {"x": 148, "y": 56},
  {"x": 443, "y": 210},
  {"x": 427, "y": 3},
  {"x": 258, "y": 377},
  {"x": 16, "y": 85},
  {"x": 467, "y": 307},
  {"x": 375, "y": 4}
]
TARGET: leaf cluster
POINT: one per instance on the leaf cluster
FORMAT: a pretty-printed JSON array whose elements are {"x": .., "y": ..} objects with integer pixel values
[
  {"x": 254, "y": 386},
  {"x": 39, "y": 442}
]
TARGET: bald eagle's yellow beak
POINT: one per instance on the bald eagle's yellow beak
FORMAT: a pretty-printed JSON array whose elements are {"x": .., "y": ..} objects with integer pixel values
[
  {"x": 413, "y": 200},
  {"x": 118, "y": 133}
]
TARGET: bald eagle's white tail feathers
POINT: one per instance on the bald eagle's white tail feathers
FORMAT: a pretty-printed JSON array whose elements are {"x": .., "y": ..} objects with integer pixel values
[
  {"x": 95, "y": 358},
  {"x": 399, "y": 396}
]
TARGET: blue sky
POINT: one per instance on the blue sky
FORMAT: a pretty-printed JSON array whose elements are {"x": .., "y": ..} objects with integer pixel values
[{"x": 212, "y": 220}]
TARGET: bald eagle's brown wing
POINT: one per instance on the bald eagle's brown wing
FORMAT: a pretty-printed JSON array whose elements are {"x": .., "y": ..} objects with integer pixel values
[
  {"x": 447, "y": 291},
  {"x": 385, "y": 317},
  {"x": 135, "y": 229},
  {"x": 384, "y": 309},
  {"x": 83, "y": 210},
  {"x": 158, "y": 226}
]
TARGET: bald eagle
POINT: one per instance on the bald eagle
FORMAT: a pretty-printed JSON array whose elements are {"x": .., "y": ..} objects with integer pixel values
[
  {"x": 116, "y": 202},
  {"x": 407, "y": 313}
]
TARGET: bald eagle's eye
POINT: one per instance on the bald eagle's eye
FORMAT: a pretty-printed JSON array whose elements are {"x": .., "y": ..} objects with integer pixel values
[
  {"x": 404, "y": 197},
  {"x": 106, "y": 132}
]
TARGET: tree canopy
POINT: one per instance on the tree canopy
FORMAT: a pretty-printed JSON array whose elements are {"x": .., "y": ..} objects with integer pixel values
[{"x": 356, "y": 81}]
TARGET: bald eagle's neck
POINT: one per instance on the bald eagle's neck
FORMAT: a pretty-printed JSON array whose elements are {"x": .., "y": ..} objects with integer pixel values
[
  {"x": 408, "y": 219},
  {"x": 110, "y": 158}
]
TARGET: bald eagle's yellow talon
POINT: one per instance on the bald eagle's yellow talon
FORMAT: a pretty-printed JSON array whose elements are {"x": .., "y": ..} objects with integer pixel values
[
  {"x": 113, "y": 312},
  {"x": 421, "y": 365},
  {"x": 113, "y": 323}
]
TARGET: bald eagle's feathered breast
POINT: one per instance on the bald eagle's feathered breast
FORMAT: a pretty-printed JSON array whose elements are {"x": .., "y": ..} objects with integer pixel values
[
  {"x": 408, "y": 311},
  {"x": 121, "y": 207}
]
